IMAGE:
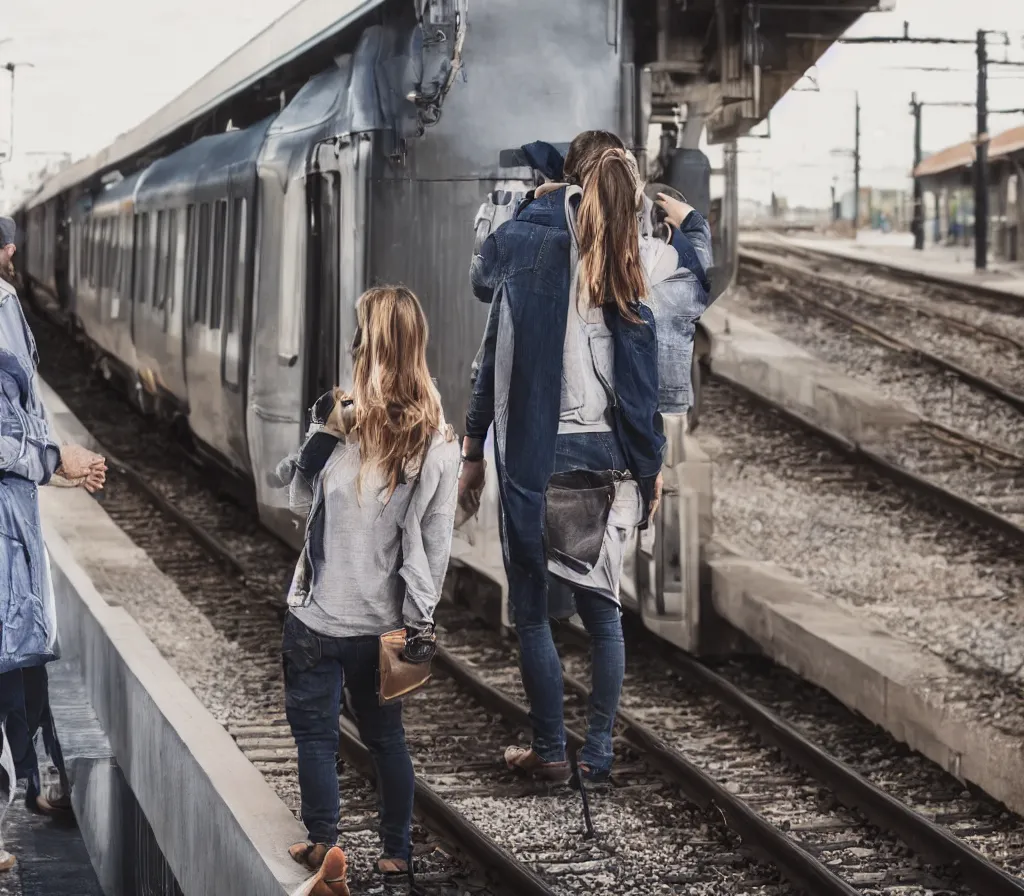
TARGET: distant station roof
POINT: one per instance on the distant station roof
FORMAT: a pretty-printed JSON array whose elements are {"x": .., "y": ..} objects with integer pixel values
[
  {"x": 962, "y": 154},
  {"x": 302, "y": 27}
]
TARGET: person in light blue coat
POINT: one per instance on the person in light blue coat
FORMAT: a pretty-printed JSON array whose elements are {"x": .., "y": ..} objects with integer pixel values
[{"x": 29, "y": 458}]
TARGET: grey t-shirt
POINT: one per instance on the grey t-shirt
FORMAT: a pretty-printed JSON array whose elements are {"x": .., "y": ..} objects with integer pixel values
[{"x": 384, "y": 560}]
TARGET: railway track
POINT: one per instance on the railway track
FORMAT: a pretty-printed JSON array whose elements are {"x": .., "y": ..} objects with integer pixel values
[
  {"x": 899, "y": 557},
  {"x": 968, "y": 450},
  {"x": 687, "y": 773}
]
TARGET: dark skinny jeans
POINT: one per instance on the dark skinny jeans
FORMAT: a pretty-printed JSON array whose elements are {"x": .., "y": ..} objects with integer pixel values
[{"x": 316, "y": 669}]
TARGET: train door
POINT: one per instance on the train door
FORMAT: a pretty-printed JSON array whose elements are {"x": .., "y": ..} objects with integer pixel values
[{"x": 336, "y": 193}]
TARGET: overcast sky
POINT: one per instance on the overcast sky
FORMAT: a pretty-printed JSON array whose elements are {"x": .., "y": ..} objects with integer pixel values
[{"x": 103, "y": 66}]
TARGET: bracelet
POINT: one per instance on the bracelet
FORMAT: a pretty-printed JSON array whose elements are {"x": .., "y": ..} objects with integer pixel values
[{"x": 472, "y": 458}]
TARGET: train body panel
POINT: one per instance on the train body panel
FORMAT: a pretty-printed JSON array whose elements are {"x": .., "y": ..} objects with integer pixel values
[
  {"x": 101, "y": 273},
  {"x": 312, "y": 172}
]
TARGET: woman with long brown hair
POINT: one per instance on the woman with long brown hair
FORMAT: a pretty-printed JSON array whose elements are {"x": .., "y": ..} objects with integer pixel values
[
  {"x": 378, "y": 475},
  {"x": 569, "y": 379}
]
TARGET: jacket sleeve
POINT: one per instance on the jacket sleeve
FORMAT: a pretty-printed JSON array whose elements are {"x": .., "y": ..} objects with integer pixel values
[
  {"x": 483, "y": 270},
  {"x": 678, "y": 304},
  {"x": 697, "y": 231},
  {"x": 480, "y": 414},
  {"x": 427, "y": 534},
  {"x": 306, "y": 466},
  {"x": 26, "y": 448}
]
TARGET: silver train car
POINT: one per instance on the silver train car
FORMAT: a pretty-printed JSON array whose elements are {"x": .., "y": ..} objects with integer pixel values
[{"x": 215, "y": 268}]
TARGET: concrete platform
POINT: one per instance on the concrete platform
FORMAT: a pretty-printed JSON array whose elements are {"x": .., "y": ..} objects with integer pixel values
[
  {"x": 213, "y": 818},
  {"x": 769, "y": 365},
  {"x": 52, "y": 855},
  {"x": 953, "y": 265}
]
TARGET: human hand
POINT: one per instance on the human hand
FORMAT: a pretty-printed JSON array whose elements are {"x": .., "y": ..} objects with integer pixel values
[
  {"x": 472, "y": 478},
  {"x": 656, "y": 503},
  {"x": 676, "y": 211},
  {"x": 420, "y": 644},
  {"x": 95, "y": 479},
  {"x": 76, "y": 462}
]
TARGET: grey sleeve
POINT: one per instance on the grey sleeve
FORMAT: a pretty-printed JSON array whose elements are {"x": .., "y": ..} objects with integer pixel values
[{"x": 427, "y": 534}]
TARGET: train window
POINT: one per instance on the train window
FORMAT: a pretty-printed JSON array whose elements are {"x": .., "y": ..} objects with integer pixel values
[
  {"x": 292, "y": 290},
  {"x": 171, "y": 266},
  {"x": 190, "y": 254},
  {"x": 323, "y": 300},
  {"x": 161, "y": 259},
  {"x": 220, "y": 245},
  {"x": 101, "y": 231},
  {"x": 111, "y": 240},
  {"x": 202, "y": 264},
  {"x": 240, "y": 234},
  {"x": 126, "y": 256},
  {"x": 137, "y": 245}
]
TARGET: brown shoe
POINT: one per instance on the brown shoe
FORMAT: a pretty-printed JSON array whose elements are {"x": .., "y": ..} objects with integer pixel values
[
  {"x": 520, "y": 759},
  {"x": 332, "y": 878},
  {"x": 309, "y": 855}
]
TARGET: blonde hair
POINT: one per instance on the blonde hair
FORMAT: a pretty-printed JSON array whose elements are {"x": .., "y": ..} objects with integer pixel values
[
  {"x": 397, "y": 408},
  {"x": 610, "y": 266}
]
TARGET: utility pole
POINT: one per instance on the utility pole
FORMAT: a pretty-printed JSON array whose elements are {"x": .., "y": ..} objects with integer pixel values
[
  {"x": 856, "y": 163},
  {"x": 981, "y": 153},
  {"x": 917, "y": 224},
  {"x": 981, "y": 161}
]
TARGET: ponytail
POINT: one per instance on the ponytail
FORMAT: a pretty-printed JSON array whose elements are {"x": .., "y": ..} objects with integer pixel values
[{"x": 609, "y": 238}]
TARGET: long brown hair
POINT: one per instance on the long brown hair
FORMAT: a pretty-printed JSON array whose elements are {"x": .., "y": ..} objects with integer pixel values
[
  {"x": 397, "y": 406},
  {"x": 609, "y": 236}
]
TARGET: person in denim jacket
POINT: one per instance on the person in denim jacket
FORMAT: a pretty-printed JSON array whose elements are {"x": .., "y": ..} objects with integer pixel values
[
  {"x": 29, "y": 458},
  {"x": 569, "y": 379}
]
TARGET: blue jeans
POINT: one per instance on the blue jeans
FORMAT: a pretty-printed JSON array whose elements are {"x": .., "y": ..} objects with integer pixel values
[
  {"x": 316, "y": 668},
  {"x": 541, "y": 668}
]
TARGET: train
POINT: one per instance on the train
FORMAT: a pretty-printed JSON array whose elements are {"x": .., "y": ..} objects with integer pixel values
[{"x": 212, "y": 259}]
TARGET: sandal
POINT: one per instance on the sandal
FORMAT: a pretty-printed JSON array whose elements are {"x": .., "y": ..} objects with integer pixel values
[
  {"x": 521, "y": 759},
  {"x": 390, "y": 866},
  {"x": 309, "y": 855},
  {"x": 332, "y": 878}
]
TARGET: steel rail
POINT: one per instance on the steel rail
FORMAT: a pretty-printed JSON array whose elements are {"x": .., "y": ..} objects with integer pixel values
[
  {"x": 832, "y": 279},
  {"x": 931, "y": 841},
  {"x": 506, "y": 872},
  {"x": 801, "y": 868},
  {"x": 892, "y": 470},
  {"x": 1015, "y": 400},
  {"x": 899, "y": 273}
]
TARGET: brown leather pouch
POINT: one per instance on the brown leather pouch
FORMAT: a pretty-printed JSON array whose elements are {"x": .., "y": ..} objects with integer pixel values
[{"x": 398, "y": 677}]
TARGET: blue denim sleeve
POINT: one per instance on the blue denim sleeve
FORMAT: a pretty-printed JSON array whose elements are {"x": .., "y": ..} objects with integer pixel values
[
  {"x": 697, "y": 231},
  {"x": 480, "y": 414},
  {"x": 688, "y": 257},
  {"x": 26, "y": 448},
  {"x": 678, "y": 304}
]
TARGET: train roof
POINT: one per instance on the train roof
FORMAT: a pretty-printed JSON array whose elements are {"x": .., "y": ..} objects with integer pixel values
[{"x": 304, "y": 26}]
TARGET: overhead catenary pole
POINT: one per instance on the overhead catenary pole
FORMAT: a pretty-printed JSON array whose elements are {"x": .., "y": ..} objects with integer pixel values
[
  {"x": 856, "y": 162},
  {"x": 918, "y": 218},
  {"x": 981, "y": 161}
]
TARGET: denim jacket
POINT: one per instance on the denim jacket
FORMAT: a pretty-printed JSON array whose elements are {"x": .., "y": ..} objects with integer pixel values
[
  {"x": 523, "y": 271},
  {"x": 28, "y": 458}
]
